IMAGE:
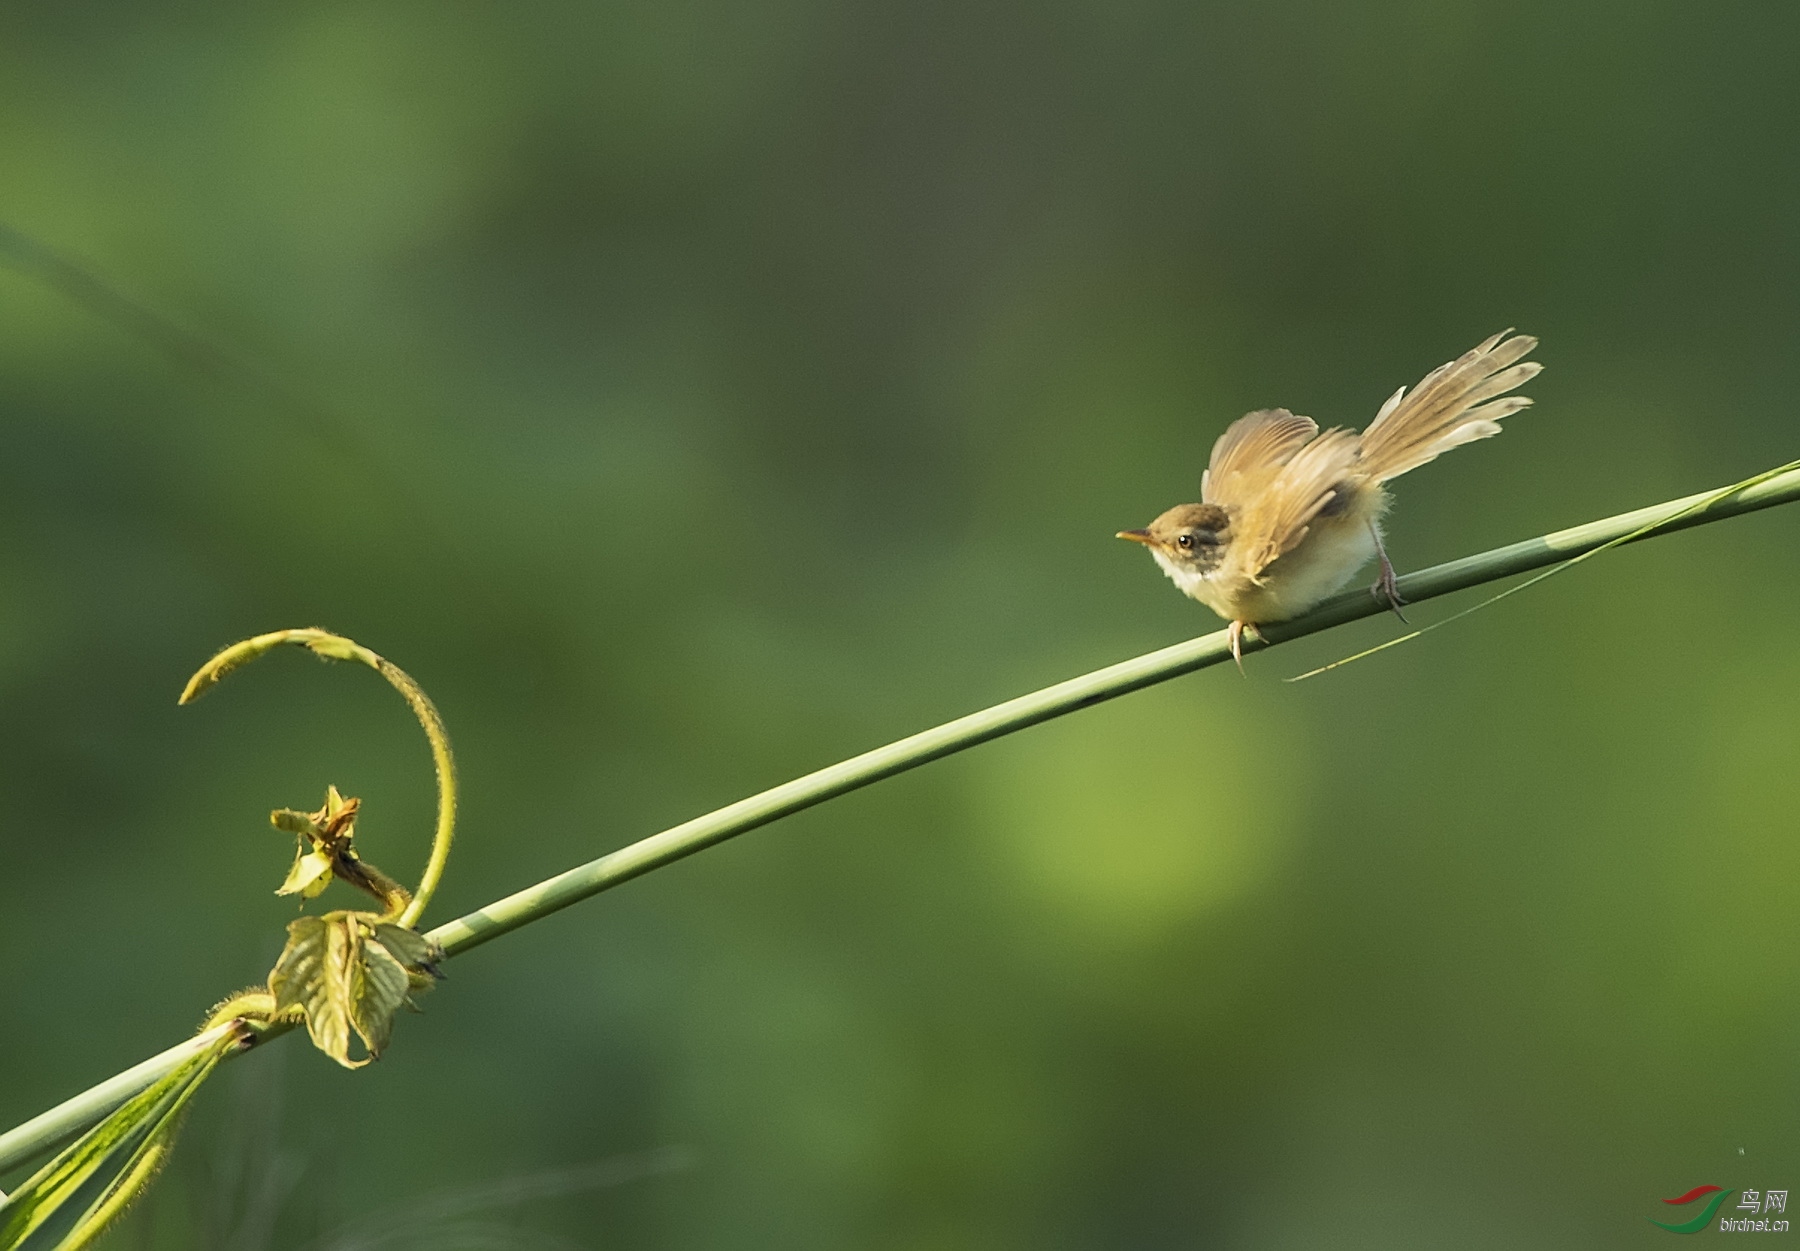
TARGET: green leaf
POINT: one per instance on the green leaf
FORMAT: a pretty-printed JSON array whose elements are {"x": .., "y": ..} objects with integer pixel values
[
  {"x": 309, "y": 877},
  {"x": 68, "y": 1202},
  {"x": 409, "y": 947},
  {"x": 313, "y": 974},
  {"x": 291, "y": 822},
  {"x": 379, "y": 985},
  {"x": 349, "y": 971}
]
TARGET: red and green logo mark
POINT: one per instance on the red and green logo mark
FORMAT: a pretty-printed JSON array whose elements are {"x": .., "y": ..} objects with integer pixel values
[{"x": 1700, "y": 1222}]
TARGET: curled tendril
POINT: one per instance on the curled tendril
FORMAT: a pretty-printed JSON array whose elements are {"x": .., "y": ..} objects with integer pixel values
[{"x": 336, "y": 647}]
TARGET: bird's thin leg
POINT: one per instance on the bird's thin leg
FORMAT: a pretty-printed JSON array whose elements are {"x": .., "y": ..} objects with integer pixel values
[
  {"x": 1386, "y": 588},
  {"x": 1235, "y": 632}
]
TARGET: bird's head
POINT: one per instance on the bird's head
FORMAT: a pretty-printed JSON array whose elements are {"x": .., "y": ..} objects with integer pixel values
[{"x": 1189, "y": 539}]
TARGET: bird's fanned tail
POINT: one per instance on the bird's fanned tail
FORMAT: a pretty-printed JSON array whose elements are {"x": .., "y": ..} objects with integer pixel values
[{"x": 1452, "y": 405}]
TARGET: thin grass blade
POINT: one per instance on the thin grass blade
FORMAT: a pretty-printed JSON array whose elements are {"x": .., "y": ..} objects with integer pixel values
[{"x": 67, "y": 1203}]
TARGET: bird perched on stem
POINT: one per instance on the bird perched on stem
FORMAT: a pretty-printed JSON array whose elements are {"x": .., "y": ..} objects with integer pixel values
[{"x": 1287, "y": 514}]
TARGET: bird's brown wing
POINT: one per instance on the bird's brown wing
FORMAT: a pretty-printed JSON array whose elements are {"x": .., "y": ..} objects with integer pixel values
[
  {"x": 1277, "y": 519},
  {"x": 1250, "y": 452},
  {"x": 1447, "y": 408}
]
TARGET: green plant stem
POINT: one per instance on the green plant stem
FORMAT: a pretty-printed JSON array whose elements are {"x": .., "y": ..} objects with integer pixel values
[
  {"x": 1054, "y": 701},
  {"x": 445, "y": 764},
  {"x": 56, "y": 1126}
]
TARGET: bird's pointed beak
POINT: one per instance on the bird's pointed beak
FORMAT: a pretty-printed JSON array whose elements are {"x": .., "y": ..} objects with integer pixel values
[{"x": 1136, "y": 536}]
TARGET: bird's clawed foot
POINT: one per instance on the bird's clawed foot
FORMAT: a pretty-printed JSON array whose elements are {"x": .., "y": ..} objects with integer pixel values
[
  {"x": 1387, "y": 586},
  {"x": 1235, "y": 633}
]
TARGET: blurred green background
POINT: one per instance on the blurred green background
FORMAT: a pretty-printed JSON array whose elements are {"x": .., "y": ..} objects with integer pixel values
[{"x": 691, "y": 393}]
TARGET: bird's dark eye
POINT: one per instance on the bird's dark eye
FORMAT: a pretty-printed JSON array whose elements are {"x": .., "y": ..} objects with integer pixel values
[{"x": 1185, "y": 542}]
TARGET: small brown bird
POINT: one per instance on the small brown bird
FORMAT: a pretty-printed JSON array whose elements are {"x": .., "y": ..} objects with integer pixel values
[{"x": 1287, "y": 515}]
